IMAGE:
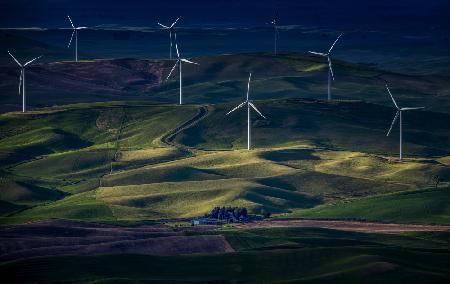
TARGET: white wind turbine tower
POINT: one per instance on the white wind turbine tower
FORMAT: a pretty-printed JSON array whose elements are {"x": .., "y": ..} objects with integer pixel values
[
  {"x": 179, "y": 63},
  {"x": 249, "y": 104},
  {"x": 276, "y": 34},
  {"x": 75, "y": 32},
  {"x": 22, "y": 79},
  {"x": 330, "y": 67},
  {"x": 171, "y": 30},
  {"x": 397, "y": 115}
]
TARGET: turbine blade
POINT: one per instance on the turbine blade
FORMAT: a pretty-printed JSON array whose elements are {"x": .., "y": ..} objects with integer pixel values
[
  {"x": 248, "y": 85},
  {"x": 392, "y": 97},
  {"x": 164, "y": 26},
  {"x": 331, "y": 48},
  {"x": 174, "y": 23},
  {"x": 32, "y": 60},
  {"x": 393, "y": 122},
  {"x": 412, "y": 108},
  {"x": 171, "y": 71},
  {"x": 70, "y": 41},
  {"x": 254, "y": 107},
  {"x": 236, "y": 108},
  {"x": 331, "y": 68},
  {"x": 20, "y": 81},
  {"x": 317, "y": 53},
  {"x": 187, "y": 61},
  {"x": 70, "y": 21},
  {"x": 81, "y": 28},
  {"x": 178, "y": 53},
  {"x": 14, "y": 59}
]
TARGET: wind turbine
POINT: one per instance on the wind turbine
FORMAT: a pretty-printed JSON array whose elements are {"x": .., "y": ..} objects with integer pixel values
[
  {"x": 276, "y": 34},
  {"x": 330, "y": 67},
  {"x": 171, "y": 30},
  {"x": 22, "y": 78},
  {"x": 179, "y": 64},
  {"x": 397, "y": 115},
  {"x": 75, "y": 31},
  {"x": 249, "y": 104}
]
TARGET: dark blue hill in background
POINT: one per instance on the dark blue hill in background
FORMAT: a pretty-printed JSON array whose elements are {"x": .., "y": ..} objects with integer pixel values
[
  {"x": 412, "y": 14},
  {"x": 403, "y": 36}
]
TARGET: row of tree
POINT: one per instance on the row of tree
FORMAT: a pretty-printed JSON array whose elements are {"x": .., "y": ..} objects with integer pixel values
[{"x": 227, "y": 213}]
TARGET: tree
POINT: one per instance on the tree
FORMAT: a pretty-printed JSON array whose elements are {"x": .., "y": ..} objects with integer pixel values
[
  {"x": 436, "y": 180},
  {"x": 266, "y": 214},
  {"x": 244, "y": 213},
  {"x": 222, "y": 213}
]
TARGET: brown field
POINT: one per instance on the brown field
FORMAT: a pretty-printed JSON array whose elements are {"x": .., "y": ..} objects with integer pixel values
[{"x": 58, "y": 237}]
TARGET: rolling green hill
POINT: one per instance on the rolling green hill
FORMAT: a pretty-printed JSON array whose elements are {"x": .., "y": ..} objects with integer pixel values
[
  {"x": 113, "y": 157},
  {"x": 133, "y": 160},
  {"x": 349, "y": 125},
  {"x": 424, "y": 206}
]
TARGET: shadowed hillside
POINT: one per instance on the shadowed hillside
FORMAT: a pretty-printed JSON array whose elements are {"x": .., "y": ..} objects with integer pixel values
[{"x": 219, "y": 79}]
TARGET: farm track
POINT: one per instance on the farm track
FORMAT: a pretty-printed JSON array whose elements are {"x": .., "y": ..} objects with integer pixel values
[{"x": 169, "y": 137}]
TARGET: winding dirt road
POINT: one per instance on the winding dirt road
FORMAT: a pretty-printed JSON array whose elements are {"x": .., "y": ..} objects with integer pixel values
[{"x": 169, "y": 137}]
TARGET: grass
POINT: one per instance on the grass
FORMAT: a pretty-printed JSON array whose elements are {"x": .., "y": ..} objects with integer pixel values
[
  {"x": 195, "y": 198},
  {"x": 308, "y": 152},
  {"x": 141, "y": 179},
  {"x": 278, "y": 181},
  {"x": 70, "y": 148},
  {"x": 222, "y": 78},
  {"x": 82, "y": 206},
  {"x": 423, "y": 206},
  {"x": 282, "y": 255},
  {"x": 321, "y": 124},
  {"x": 288, "y": 238}
]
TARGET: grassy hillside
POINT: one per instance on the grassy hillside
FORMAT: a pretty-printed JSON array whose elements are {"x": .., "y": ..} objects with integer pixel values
[
  {"x": 308, "y": 152},
  {"x": 111, "y": 155},
  {"x": 424, "y": 206},
  {"x": 333, "y": 125},
  {"x": 191, "y": 186},
  {"x": 46, "y": 152},
  {"x": 221, "y": 79}
]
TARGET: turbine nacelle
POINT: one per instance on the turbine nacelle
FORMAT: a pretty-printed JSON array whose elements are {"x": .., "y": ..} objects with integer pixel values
[
  {"x": 249, "y": 105},
  {"x": 179, "y": 64},
  {"x": 75, "y": 30},
  {"x": 22, "y": 77},
  {"x": 27, "y": 63},
  {"x": 171, "y": 27},
  {"x": 179, "y": 60},
  {"x": 398, "y": 114},
  {"x": 330, "y": 65}
]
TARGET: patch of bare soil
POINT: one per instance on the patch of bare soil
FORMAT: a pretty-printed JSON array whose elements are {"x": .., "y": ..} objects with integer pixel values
[
  {"x": 354, "y": 226},
  {"x": 58, "y": 237},
  {"x": 116, "y": 76}
]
